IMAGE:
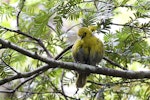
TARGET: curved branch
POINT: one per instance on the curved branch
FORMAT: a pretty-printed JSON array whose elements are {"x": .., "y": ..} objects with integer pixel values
[
  {"x": 69, "y": 65},
  {"x": 113, "y": 63},
  {"x": 39, "y": 41},
  {"x": 19, "y": 32},
  {"x": 61, "y": 54},
  {"x": 10, "y": 67},
  {"x": 18, "y": 14}
]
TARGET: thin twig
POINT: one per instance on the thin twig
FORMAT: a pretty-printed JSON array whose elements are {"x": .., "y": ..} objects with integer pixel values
[
  {"x": 62, "y": 87},
  {"x": 31, "y": 37},
  {"x": 45, "y": 49},
  {"x": 14, "y": 90},
  {"x": 30, "y": 78},
  {"x": 73, "y": 27},
  {"x": 114, "y": 63},
  {"x": 10, "y": 67},
  {"x": 116, "y": 83},
  {"x": 28, "y": 88},
  {"x": 38, "y": 93},
  {"x": 58, "y": 91},
  {"x": 19, "y": 32},
  {"x": 130, "y": 26},
  {"x": 65, "y": 50},
  {"x": 52, "y": 28},
  {"x": 18, "y": 14}
]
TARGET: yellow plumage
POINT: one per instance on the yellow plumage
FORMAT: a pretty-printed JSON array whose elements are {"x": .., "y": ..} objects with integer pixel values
[
  {"x": 88, "y": 50},
  {"x": 92, "y": 28}
]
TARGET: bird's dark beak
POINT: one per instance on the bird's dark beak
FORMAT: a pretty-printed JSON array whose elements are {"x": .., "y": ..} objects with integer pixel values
[{"x": 83, "y": 35}]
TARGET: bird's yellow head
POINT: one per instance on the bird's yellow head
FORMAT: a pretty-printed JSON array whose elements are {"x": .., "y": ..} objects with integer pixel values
[
  {"x": 84, "y": 32},
  {"x": 92, "y": 28}
]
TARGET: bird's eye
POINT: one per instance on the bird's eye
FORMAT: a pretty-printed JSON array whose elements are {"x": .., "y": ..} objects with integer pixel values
[{"x": 84, "y": 33}]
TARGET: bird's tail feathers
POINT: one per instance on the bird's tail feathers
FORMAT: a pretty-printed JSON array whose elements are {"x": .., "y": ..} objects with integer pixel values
[{"x": 81, "y": 80}]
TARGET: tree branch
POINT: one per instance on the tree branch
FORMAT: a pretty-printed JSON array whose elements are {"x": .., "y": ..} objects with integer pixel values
[
  {"x": 69, "y": 65},
  {"x": 31, "y": 37}
]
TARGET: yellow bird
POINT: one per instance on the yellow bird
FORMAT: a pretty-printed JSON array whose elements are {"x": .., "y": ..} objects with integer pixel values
[{"x": 87, "y": 50}]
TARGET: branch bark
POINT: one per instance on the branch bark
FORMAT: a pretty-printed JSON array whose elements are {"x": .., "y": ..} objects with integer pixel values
[{"x": 51, "y": 63}]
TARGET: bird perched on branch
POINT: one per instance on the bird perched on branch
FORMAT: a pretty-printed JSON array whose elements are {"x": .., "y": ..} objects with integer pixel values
[{"x": 87, "y": 50}]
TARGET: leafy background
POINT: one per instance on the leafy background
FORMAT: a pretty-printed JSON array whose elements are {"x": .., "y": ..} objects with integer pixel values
[{"x": 123, "y": 26}]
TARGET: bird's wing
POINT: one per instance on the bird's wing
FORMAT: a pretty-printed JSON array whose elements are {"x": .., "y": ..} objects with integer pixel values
[
  {"x": 96, "y": 52},
  {"x": 80, "y": 53}
]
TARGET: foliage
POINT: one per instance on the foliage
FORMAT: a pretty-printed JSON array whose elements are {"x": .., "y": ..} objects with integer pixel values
[{"x": 48, "y": 20}]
